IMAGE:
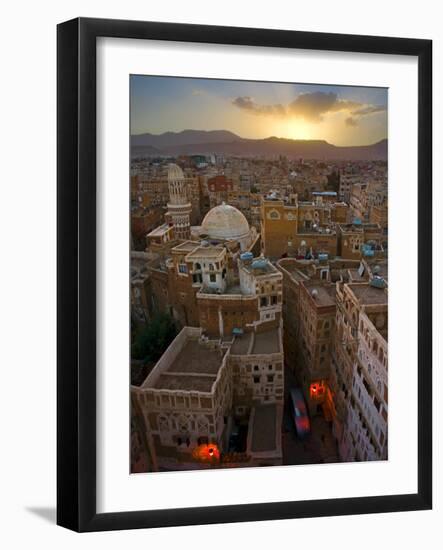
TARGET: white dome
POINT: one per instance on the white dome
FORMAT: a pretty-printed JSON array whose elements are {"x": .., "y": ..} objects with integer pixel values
[
  {"x": 175, "y": 173},
  {"x": 225, "y": 222}
]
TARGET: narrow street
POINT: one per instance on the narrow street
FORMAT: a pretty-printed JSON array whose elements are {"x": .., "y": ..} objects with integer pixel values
[{"x": 318, "y": 447}]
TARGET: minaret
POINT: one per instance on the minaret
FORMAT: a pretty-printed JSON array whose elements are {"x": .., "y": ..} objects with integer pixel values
[{"x": 179, "y": 207}]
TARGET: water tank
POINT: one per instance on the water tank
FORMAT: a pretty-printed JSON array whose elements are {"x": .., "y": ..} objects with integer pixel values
[
  {"x": 246, "y": 256},
  {"x": 378, "y": 282},
  {"x": 259, "y": 264}
]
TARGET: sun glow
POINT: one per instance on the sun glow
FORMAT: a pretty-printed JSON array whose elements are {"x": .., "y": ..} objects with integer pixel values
[{"x": 295, "y": 129}]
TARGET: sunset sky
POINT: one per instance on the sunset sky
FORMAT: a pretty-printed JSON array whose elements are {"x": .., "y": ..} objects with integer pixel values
[{"x": 341, "y": 115}]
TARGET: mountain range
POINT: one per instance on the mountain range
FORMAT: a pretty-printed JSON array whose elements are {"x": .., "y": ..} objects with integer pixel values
[{"x": 194, "y": 142}]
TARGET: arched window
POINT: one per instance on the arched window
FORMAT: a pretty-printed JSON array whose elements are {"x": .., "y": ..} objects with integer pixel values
[{"x": 274, "y": 215}]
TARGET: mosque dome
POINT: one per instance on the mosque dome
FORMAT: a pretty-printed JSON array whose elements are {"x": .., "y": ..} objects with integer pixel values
[
  {"x": 175, "y": 173},
  {"x": 225, "y": 222}
]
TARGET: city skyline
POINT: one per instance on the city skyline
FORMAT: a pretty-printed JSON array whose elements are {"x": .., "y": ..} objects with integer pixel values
[{"x": 340, "y": 115}]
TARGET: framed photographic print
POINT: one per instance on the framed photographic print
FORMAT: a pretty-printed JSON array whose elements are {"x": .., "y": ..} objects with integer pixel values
[{"x": 244, "y": 216}]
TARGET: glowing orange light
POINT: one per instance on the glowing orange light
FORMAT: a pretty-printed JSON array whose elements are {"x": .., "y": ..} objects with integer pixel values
[
  {"x": 206, "y": 452},
  {"x": 317, "y": 389}
]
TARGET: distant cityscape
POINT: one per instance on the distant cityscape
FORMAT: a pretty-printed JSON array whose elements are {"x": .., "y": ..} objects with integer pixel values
[{"x": 259, "y": 297}]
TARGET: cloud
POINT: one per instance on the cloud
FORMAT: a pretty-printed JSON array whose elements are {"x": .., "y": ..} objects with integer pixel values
[
  {"x": 369, "y": 110},
  {"x": 312, "y": 106},
  {"x": 350, "y": 121},
  {"x": 248, "y": 104}
]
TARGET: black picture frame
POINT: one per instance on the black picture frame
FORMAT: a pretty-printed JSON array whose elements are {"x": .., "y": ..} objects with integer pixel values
[{"x": 76, "y": 265}]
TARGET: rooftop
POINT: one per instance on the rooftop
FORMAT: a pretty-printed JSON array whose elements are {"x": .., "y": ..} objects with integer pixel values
[
  {"x": 196, "y": 358},
  {"x": 241, "y": 344},
  {"x": 259, "y": 266},
  {"x": 206, "y": 252},
  {"x": 266, "y": 342},
  {"x": 323, "y": 295},
  {"x": 187, "y": 365},
  {"x": 187, "y": 246},
  {"x": 369, "y": 295},
  {"x": 160, "y": 230},
  {"x": 185, "y": 382},
  {"x": 258, "y": 342}
]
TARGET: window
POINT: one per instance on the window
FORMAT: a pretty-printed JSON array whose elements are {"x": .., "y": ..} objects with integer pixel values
[
  {"x": 182, "y": 268},
  {"x": 274, "y": 215},
  {"x": 273, "y": 300},
  {"x": 377, "y": 403},
  {"x": 269, "y": 367},
  {"x": 270, "y": 378},
  {"x": 256, "y": 367},
  {"x": 263, "y": 301},
  {"x": 212, "y": 278},
  {"x": 256, "y": 379}
]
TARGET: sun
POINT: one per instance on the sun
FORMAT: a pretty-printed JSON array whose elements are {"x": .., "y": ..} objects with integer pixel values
[{"x": 294, "y": 129}]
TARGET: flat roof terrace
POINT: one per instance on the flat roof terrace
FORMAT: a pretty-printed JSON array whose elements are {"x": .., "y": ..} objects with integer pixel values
[
  {"x": 185, "y": 382},
  {"x": 196, "y": 358},
  {"x": 323, "y": 295},
  {"x": 194, "y": 368},
  {"x": 257, "y": 343},
  {"x": 266, "y": 342},
  {"x": 369, "y": 295},
  {"x": 206, "y": 252},
  {"x": 242, "y": 343}
]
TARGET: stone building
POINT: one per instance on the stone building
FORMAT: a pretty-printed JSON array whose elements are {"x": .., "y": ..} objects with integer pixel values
[
  {"x": 293, "y": 228},
  {"x": 201, "y": 391},
  {"x": 317, "y": 318},
  {"x": 359, "y": 372},
  {"x": 223, "y": 373},
  {"x": 357, "y": 240},
  {"x": 179, "y": 207},
  {"x": 219, "y": 188}
]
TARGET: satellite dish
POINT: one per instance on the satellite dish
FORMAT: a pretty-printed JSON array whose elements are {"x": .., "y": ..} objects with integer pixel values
[{"x": 314, "y": 293}]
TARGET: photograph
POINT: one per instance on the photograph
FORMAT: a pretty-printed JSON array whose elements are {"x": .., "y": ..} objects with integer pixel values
[{"x": 258, "y": 273}]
